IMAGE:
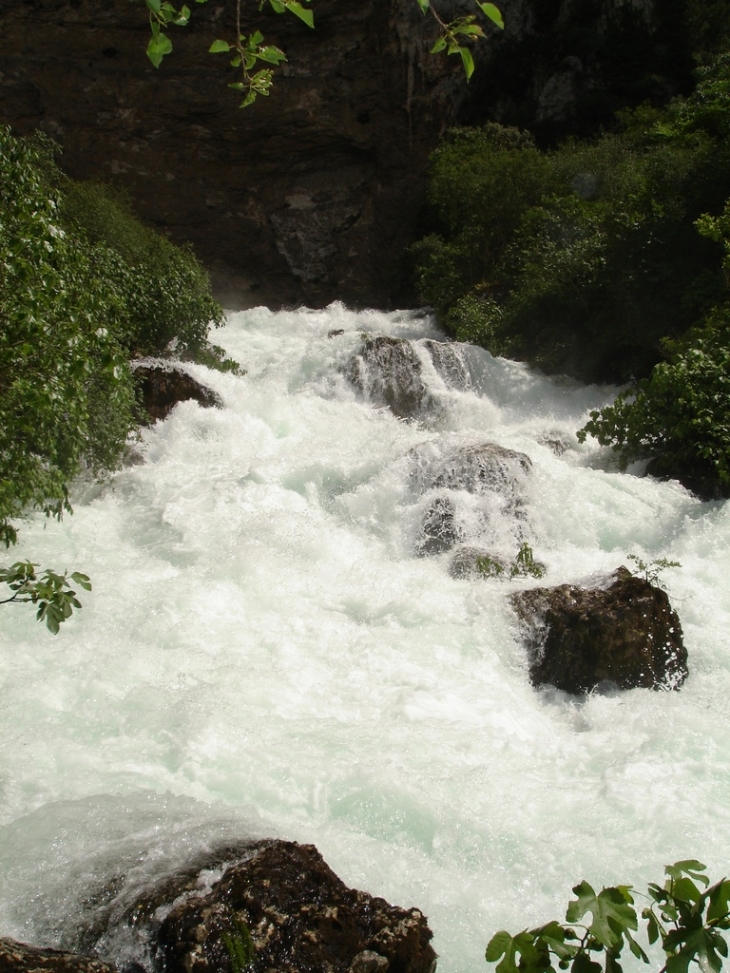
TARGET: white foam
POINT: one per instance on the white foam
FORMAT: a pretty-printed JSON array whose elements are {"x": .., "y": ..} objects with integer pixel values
[{"x": 262, "y": 645}]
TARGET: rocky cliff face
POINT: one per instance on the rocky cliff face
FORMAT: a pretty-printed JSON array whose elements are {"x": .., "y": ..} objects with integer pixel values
[
  {"x": 314, "y": 193},
  {"x": 309, "y": 194}
]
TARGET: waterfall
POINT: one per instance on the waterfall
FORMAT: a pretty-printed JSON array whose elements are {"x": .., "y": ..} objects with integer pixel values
[{"x": 271, "y": 647}]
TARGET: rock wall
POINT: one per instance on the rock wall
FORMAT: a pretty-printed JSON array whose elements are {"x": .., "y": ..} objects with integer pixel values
[
  {"x": 313, "y": 193},
  {"x": 309, "y": 194}
]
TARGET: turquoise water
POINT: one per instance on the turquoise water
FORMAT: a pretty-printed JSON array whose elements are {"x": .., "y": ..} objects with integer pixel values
[{"x": 263, "y": 654}]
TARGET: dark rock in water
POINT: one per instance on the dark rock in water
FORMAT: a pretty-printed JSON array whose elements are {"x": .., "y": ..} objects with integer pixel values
[
  {"x": 439, "y": 529},
  {"x": 558, "y": 444},
  {"x": 301, "y": 918},
  {"x": 448, "y": 363},
  {"x": 493, "y": 473},
  {"x": 162, "y": 386},
  {"x": 479, "y": 468},
  {"x": 700, "y": 479},
  {"x": 18, "y": 958},
  {"x": 388, "y": 371},
  {"x": 276, "y": 900},
  {"x": 625, "y": 633},
  {"x": 476, "y": 562}
]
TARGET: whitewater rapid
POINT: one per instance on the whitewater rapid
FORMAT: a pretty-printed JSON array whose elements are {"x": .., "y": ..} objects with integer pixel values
[{"x": 263, "y": 653}]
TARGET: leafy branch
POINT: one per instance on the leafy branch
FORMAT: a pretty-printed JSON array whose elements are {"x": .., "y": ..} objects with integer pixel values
[
  {"x": 249, "y": 50},
  {"x": 52, "y": 592},
  {"x": 451, "y": 34},
  {"x": 650, "y": 570},
  {"x": 686, "y": 919}
]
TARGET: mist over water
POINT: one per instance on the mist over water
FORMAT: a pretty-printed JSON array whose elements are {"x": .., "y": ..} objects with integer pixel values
[{"x": 263, "y": 653}]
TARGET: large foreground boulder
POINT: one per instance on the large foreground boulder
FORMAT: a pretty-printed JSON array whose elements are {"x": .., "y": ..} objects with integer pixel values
[
  {"x": 622, "y": 632},
  {"x": 163, "y": 385},
  {"x": 274, "y": 905},
  {"x": 19, "y": 958},
  {"x": 300, "y": 916}
]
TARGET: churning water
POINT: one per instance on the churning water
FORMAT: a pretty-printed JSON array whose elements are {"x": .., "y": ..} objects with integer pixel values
[{"x": 264, "y": 653}]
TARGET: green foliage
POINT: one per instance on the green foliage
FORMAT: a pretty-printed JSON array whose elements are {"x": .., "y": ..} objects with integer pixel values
[
  {"x": 582, "y": 259},
  {"x": 52, "y": 593},
  {"x": 240, "y": 947},
  {"x": 454, "y": 37},
  {"x": 163, "y": 291},
  {"x": 524, "y": 565},
  {"x": 82, "y": 285},
  {"x": 60, "y": 357},
  {"x": 680, "y": 416},
  {"x": 685, "y": 919},
  {"x": 650, "y": 570}
]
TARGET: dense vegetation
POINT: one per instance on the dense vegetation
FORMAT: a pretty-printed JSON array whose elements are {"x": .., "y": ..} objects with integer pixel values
[
  {"x": 601, "y": 259},
  {"x": 686, "y": 915},
  {"x": 84, "y": 287}
]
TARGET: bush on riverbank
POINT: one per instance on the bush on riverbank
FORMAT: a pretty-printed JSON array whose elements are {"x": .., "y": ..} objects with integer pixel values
[
  {"x": 83, "y": 286},
  {"x": 601, "y": 260}
]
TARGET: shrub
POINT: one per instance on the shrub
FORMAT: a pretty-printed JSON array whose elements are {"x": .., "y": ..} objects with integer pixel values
[
  {"x": 66, "y": 393},
  {"x": 82, "y": 286},
  {"x": 686, "y": 915},
  {"x": 164, "y": 291},
  {"x": 584, "y": 258},
  {"x": 680, "y": 416}
]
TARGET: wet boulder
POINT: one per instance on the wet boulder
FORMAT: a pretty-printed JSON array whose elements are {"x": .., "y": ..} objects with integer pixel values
[
  {"x": 495, "y": 479},
  {"x": 622, "y": 632},
  {"x": 449, "y": 363},
  {"x": 440, "y": 530},
  {"x": 477, "y": 468},
  {"x": 389, "y": 372},
  {"x": 162, "y": 385},
  {"x": 477, "y": 562},
  {"x": 19, "y": 958},
  {"x": 289, "y": 911}
]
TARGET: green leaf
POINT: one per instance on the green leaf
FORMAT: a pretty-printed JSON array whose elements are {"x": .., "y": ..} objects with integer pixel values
[
  {"x": 82, "y": 579},
  {"x": 424, "y": 5},
  {"x": 685, "y": 890},
  {"x": 272, "y": 54},
  {"x": 439, "y": 45},
  {"x": 219, "y": 47},
  {"x": 154, "y": 5},
  {"x": 532, "y": 958},
  {"x": 719, "y": 896},
  {"x": 611, "y": 912},
  {"x": 690, "y": 867},
  {"x": 298, "y": 10},
  {"x": 468, "y": 61},
  {"x": 494, "y": 14},
  {"x": 157, "y": 48}
]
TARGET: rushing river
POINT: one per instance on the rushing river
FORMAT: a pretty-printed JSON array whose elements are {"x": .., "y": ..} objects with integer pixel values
[{"x": 264, "y": 653}]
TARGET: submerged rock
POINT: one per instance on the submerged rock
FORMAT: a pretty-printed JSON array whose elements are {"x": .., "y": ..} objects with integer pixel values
[
  {"x": 482, "y": 467},
  {"x": 19, "y": 958},
  {"x": 449, "y": 364},
  {"x": 439, "y": 528},
  {"x": 389, "y": 372},
  {"x": 477, "y": 562},
  {"x": 491, "y": 473},
  {"x": 300, "y": 917},
  {"x": 624, "y": 632},
  {"x": 163, "y": 385}
]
